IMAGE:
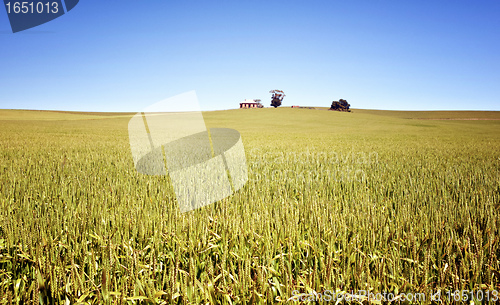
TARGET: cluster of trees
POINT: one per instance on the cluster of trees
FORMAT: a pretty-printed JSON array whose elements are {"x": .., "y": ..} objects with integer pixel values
[
  {"x": 340, "y": 105},
  {"x": 277, "y": 97},
  {"x": 259, "y": 104}
]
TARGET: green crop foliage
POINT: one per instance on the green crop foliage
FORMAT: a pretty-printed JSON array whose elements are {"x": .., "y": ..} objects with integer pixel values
[{"x": 369, "y": 200}]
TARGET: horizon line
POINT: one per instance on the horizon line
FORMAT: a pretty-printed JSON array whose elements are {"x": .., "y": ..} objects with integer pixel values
[{"x": 322, "y": 107}]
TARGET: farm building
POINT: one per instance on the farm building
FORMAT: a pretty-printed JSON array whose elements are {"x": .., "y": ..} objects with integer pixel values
[{"x": 249, "y": 103}]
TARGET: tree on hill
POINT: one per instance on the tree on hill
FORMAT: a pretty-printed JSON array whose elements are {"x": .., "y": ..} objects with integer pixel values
[
  {"x": 277, "y": 97},
  {"x": 340, "y": 105}
]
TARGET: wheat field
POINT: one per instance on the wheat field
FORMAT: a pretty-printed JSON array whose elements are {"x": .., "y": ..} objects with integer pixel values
[{"x": 402, "y": 202}]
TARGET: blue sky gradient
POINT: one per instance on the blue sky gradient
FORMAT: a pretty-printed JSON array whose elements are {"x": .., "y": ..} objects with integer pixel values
[{"x": 377, "y": 54}]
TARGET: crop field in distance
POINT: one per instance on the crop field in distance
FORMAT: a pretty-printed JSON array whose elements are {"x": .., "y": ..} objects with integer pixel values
[{"x": 381, "y": 201}]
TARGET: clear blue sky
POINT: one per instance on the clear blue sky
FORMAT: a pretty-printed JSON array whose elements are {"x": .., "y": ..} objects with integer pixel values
[{"x": 124, "y": 55}]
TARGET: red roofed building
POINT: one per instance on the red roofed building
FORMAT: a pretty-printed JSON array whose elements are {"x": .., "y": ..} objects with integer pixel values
[{"x": 249, "y": 103}]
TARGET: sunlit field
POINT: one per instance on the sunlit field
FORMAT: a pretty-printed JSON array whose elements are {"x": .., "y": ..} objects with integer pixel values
[{"x": 380, "y": 201}]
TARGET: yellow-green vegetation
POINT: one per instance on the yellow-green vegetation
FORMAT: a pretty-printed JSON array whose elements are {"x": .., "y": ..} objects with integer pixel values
[{"x": 367, "y": 200}]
